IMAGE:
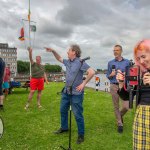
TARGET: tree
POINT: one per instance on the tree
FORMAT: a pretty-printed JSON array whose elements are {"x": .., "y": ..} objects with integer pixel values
[
  {"x": 52, "y": 68},
  {"x": 99, "y": 70},
  {"x": 23, "y": 66}
]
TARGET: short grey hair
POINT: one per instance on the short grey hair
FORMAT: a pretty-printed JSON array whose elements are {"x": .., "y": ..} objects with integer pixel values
[
  {"x": 77, "y": 49},
  {"x": 118, "y": 46}
]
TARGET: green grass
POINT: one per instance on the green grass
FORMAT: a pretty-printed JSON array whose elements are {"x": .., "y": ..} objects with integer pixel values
[{"x": 33, "y": 129}]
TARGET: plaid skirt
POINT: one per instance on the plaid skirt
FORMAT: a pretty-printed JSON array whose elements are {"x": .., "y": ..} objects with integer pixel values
[{"x": 141, "y": 128}]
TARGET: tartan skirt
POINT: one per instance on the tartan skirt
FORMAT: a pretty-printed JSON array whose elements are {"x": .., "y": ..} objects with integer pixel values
[{"x": 141, "y": 128}]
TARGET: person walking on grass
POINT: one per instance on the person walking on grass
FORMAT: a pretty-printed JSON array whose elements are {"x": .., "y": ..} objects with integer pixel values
[
  {"x": 118, "y": 63},
  {"x": 73, "y": 64},
  {"x": 37, "y": 79},
  {"x": 141, "y": 124}
]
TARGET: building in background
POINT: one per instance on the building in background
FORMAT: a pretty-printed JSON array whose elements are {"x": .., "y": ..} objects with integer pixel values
[{"x": 9, "y": 55}]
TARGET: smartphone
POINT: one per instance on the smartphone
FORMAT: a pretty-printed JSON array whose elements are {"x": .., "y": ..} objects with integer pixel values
[{"x": 133, "y": 75}]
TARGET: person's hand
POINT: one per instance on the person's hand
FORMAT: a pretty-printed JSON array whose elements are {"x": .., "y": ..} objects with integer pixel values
[
  {"x": 146, "y": 78},
  {"x": 48, "y": 49},
  {"x": 47, "y": 82},
  {"x": 80, "y": 87},
  {"x": 120, "y": 77},
  {"x": 29, "y": 49},
  {"x": 113, "y": 73}
]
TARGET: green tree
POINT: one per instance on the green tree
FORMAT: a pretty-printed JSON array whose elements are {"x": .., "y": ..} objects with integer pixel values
[
  {"x": 52, "y": 68},
  {"x": 23, "y": 66}
]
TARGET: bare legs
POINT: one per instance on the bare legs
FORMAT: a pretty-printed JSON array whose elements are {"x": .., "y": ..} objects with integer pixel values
[
  {"x": 39, "y": 99},
  {"x": 1, "y": 102},
  {"x": 30, "y": 98}
]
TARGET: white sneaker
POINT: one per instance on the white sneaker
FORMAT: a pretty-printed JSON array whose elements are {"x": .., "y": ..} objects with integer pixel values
[
  {"x": 26, "y": 107},
  {"x": 39, "y": 106}
]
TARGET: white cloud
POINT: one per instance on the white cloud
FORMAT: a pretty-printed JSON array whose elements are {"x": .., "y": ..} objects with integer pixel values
[{"x": 93, "y": 24}]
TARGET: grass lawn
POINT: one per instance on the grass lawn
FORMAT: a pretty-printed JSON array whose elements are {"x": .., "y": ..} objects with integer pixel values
[{"x": 33, "y": 129}]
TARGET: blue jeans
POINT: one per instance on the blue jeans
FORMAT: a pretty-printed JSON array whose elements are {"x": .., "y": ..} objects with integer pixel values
[{"x": 76, "y": 105}]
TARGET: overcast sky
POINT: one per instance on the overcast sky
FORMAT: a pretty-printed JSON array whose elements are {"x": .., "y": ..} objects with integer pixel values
[{"x": 96, "y": 25}]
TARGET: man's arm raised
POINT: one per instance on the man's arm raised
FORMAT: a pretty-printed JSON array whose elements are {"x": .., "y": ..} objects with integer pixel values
[
  {"x": 57, "y": 56},
  {"x": 30, "y": 55}
]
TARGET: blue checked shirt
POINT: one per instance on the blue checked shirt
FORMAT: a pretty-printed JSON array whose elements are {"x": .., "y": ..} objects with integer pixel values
[{"x": 72, "y": 67}]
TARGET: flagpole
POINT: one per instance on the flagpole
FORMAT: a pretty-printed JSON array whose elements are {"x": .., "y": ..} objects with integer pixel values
[{"x": 29, "y": 34}]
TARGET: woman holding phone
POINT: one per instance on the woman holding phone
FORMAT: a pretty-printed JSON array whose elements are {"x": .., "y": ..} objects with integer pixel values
[{"x": 141, "y": 125}]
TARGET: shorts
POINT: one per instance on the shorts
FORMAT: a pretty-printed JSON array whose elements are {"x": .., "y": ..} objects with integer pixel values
[
  {"x": 37, "y": 84},
  {"x": 6, "y": 85}
]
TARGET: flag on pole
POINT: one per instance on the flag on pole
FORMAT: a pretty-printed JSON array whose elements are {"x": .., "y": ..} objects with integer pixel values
[
  {"x": 21, "y": 38},
  {"x": 32, "y": 28},
  {"x": 29, "y": 15}
]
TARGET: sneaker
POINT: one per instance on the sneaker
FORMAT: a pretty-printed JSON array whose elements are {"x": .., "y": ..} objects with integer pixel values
[
  {"x": 120, "y": 129},
  {"x": 26, "y": 107},
  {"x": 39, "y": 106},
  {"x": 60, "y": 131},
  {"x": 80, "y": 139}
]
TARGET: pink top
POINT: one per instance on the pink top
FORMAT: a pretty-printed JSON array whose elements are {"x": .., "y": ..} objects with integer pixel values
[{"x": 7, "y": 75}]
